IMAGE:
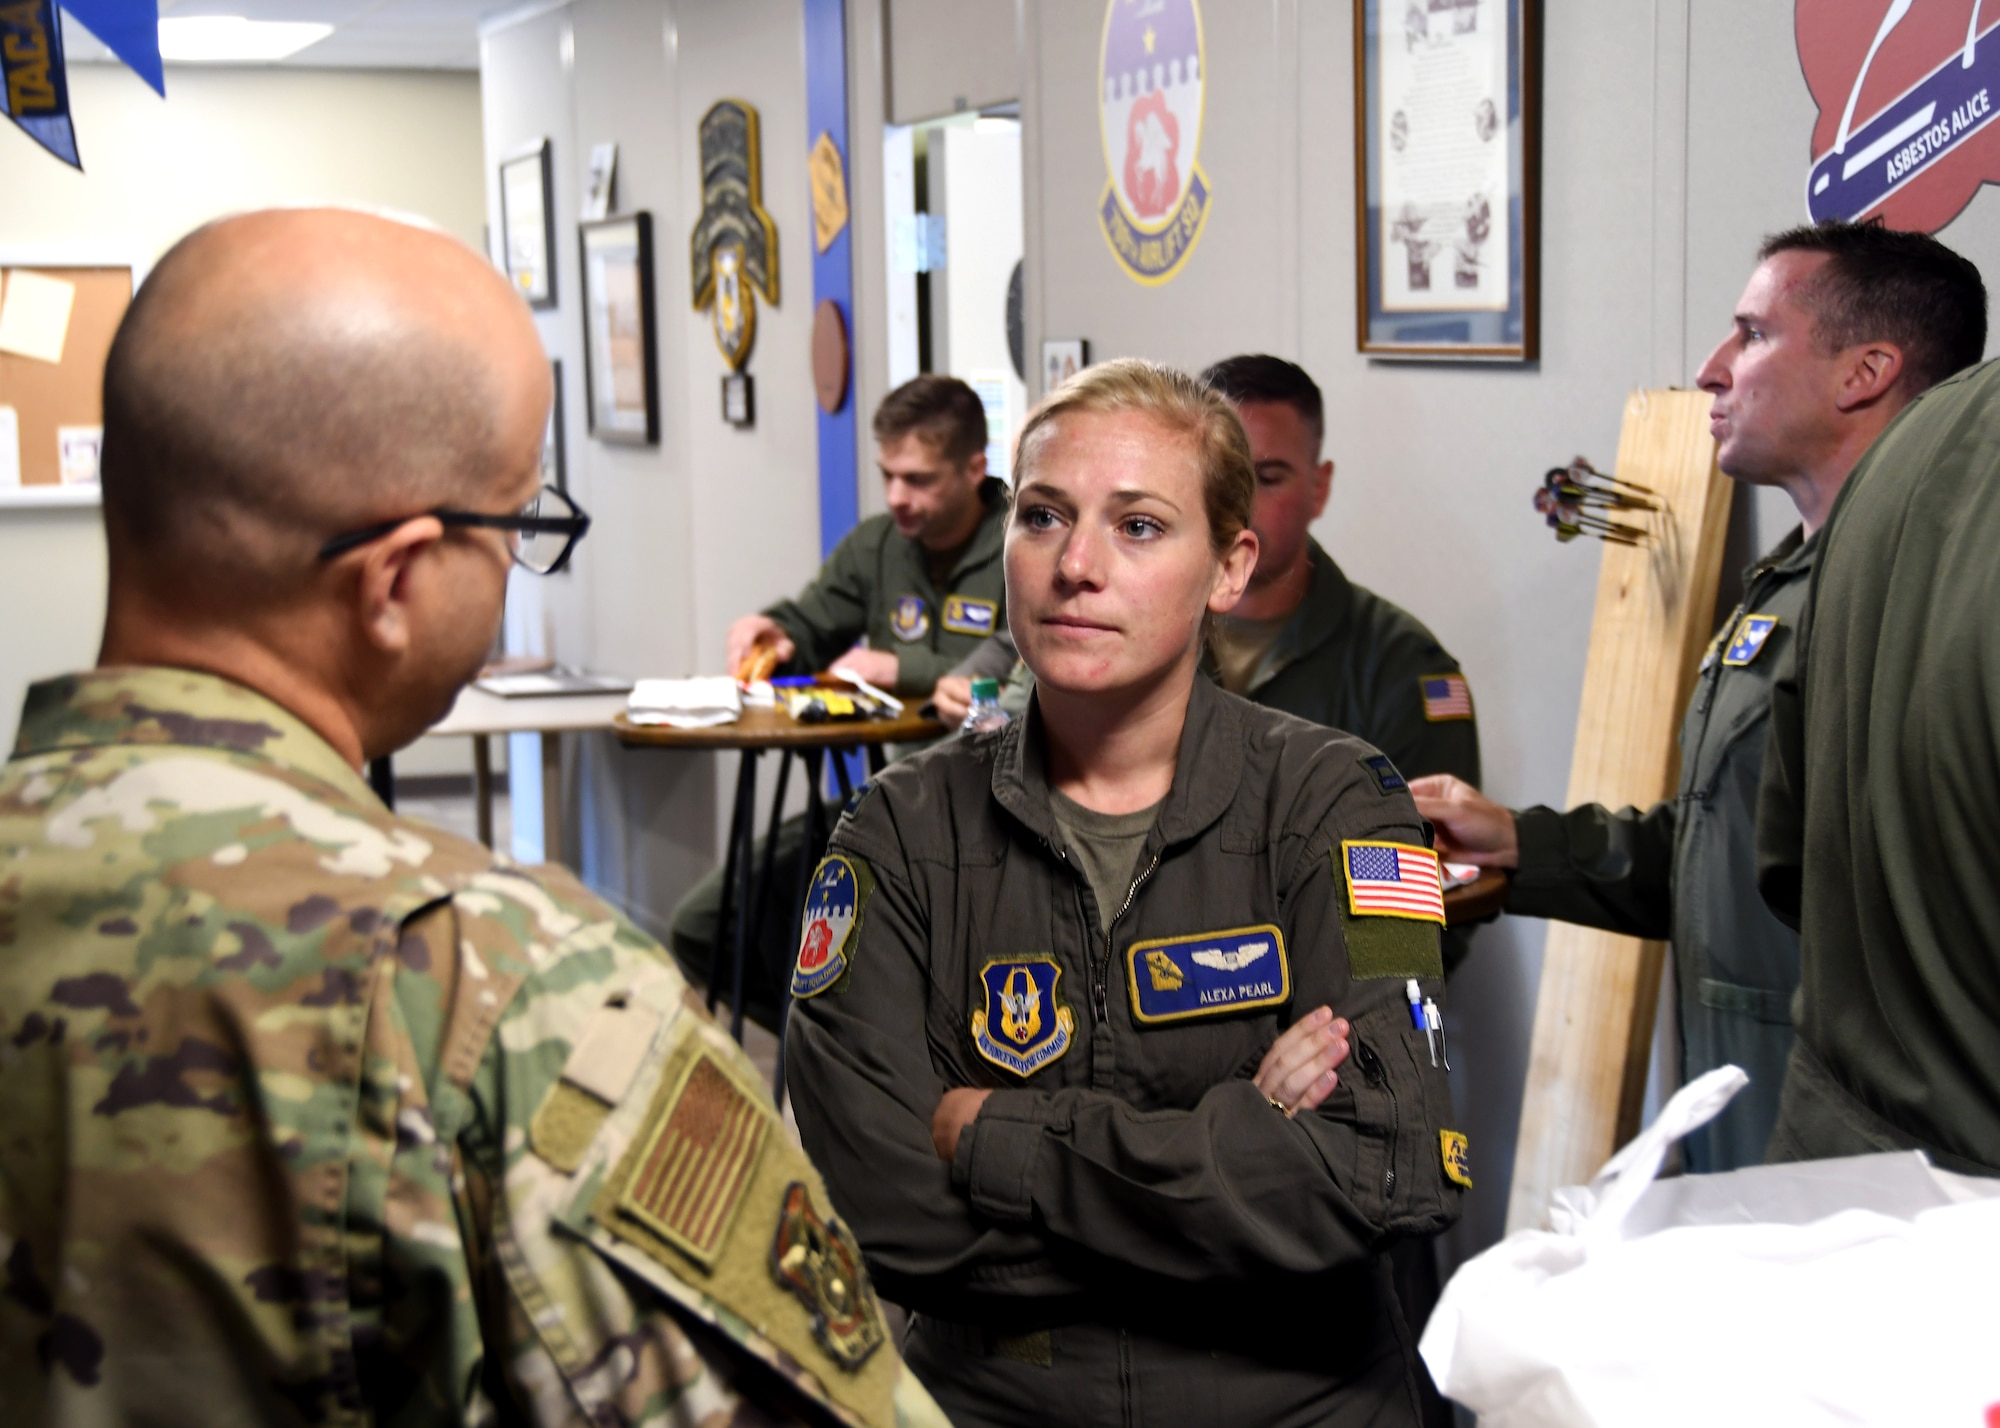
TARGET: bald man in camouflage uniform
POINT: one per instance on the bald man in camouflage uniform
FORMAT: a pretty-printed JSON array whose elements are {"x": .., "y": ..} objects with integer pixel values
[{"x": 309, "y": 1113}]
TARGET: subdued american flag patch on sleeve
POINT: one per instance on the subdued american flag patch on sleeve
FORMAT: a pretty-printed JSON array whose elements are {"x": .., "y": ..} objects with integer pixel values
[
  {"x": 1446, "y": 696},
  {"x": 1392, "y": 880}
]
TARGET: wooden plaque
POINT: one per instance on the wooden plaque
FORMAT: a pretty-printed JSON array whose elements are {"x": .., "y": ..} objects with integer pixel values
[{"x": 1599, "y": 992}]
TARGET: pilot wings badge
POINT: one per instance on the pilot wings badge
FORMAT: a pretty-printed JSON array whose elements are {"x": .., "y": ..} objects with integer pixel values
[
  {"x": 1022, "y": 1027},
  {"x": 1208, "y": 974}
]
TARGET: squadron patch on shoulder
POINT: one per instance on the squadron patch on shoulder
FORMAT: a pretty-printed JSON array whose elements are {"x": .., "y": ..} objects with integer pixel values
[
  {"x": 1022, "y": 1027},
  {"x": 1208, "y": 974},
  {"x": 910, "y": 619},
  {"x": 1456, "y": 1153},
  {"x": 832, "y": 919},
  {"x": 964, "y": 615},
  {"x": 1748, "y": 641},
  {"x": 819, "y": 1262},
  {"x": 695, "y": 1156}
]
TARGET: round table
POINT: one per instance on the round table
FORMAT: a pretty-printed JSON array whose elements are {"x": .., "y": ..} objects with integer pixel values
[
  {"x": 1478, "y": 900},
  {"x": 744, "y": 897}
]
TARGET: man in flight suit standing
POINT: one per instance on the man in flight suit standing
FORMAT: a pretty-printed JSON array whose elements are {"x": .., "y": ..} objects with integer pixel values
[{"x": 1841, "y": 326}]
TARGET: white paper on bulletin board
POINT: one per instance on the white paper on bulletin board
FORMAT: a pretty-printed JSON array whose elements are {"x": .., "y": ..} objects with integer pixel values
[{"x": 34, "y": 315}]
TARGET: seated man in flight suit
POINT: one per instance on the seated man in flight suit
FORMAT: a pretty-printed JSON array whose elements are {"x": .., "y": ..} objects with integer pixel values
[
  {"x": 922, "y": 583},
  {"x": 1840, "y": 328},
  {"x": 313, "y": 1113}
]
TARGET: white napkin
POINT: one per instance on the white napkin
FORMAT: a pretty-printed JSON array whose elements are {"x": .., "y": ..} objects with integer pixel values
[{"x": 685, "y": 703}]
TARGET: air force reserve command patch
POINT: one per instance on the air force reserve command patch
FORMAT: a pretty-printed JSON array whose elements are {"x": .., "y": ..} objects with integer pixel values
[
  {"x": 1748, "y": 641},
  {"x": 1022, "y": 1027},
  {"x": 1208, "y": 974},
  {"x": 910, "y": 619},
  {"x": 964, "y": 615},
  {"x": 834, "y": 904}
]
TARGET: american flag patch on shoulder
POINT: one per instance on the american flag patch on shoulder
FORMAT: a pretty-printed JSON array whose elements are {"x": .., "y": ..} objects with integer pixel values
[
  {"x": 1392, "y": 880},
  {"x": 697, "y": 1153},
  {"x": 1446, "y": 696}
]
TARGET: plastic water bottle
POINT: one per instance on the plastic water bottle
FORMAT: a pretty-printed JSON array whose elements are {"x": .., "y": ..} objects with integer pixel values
[{"x": 986, "y": 712}]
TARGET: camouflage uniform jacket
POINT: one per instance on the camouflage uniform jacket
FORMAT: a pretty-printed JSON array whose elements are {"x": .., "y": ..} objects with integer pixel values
[{"x": 311, "y": 1114}]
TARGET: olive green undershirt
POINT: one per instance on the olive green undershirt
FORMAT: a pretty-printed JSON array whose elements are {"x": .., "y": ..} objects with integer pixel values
[
  {"x": 1239, "y": 647},
  {"x": 1106, "y": 846}
]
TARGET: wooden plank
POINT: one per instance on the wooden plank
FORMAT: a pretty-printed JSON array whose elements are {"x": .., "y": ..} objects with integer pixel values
[{"x": 1599, "y": 991}]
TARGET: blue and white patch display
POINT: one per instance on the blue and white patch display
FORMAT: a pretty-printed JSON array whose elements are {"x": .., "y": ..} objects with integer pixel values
[
  {"x": 827, "y": 928},
  {"x": 1022, "y": 1027},
  {"x": 964, "y": 615},
  {"x": 911, "y": 619},
  {"x": 1208, "y": 974},
  {"x": 1748, "y": 642}
]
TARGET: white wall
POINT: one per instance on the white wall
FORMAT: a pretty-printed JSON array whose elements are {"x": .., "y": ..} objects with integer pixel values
[{"x": 223, "y": 141}]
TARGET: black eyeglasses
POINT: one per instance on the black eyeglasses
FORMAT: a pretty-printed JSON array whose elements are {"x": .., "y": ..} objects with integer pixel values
[{"x": 542, "y": 534}]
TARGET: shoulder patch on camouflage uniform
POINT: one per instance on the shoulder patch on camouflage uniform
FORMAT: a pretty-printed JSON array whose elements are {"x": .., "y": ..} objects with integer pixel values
[
  {"x": 600, "y": 1070},
  {"x": 835, "y": 901},
  {"x": 818, "y": 1260},
  {"x": 692, "y": 1159},
  {"x": 1393, "y": 908}
]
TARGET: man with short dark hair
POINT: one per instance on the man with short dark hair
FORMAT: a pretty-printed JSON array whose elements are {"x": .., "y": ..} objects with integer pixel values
[
  {"x": 312, "y": 1113},
  {"x": 1840, "y": 328},
  {"x": 922, "y": 583},
  {"x": 1305, "y": 638}
]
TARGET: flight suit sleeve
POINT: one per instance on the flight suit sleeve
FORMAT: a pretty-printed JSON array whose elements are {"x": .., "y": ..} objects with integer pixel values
[
  {"x": 1232, "y": 1187},
  {"x": 565, "y": 1033},
  {"x": 1417, "y": 744},
  {"x": 1597, "y": 868},
  {"x": 1780, "y": 807},
  {"x": 829, "y": 615},
  {"x": 864, "y": 1087}
]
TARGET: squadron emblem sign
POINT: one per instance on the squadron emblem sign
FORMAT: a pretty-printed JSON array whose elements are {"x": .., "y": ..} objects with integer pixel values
[
  {"x": 1151, "y": 71},
  {"x": 1907, "y": 94}
]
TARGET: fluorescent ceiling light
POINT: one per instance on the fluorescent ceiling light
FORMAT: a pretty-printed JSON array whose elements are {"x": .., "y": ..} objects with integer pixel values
[{"x": 231, "y": 39}]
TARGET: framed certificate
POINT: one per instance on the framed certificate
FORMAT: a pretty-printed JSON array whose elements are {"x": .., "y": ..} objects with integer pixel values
[
  {"x": 620, "y": 362},
  {"x": 527, "y": 224},
  {"x": 1448, "y": 138}
]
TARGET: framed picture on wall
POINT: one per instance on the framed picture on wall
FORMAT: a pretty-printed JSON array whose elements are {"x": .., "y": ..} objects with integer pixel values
[
  {"x": 527, "y": 223},
  {"x": 1447, "y": 173},
  {"x": 620, "y": 363},
  {"x": 1062, "y": 358},
  {"x": 555, "y": 464}
]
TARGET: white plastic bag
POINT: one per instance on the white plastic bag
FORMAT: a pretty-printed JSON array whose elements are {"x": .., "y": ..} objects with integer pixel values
[{"x": 1862, "y": 1291}]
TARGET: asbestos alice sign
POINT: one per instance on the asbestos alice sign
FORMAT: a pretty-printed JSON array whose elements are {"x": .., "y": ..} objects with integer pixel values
[{"x": 1907, "y": 91}]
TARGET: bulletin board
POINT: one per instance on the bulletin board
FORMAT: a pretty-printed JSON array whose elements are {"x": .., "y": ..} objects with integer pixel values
[{"x": 70, "y": 393}]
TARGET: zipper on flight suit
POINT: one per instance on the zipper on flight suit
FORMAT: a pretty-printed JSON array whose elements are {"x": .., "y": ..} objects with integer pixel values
[
  {"x": 1371, "y": 1071},
  {"x": 1098, "y": 992}
]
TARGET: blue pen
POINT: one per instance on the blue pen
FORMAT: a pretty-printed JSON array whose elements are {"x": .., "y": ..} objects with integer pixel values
[{"x": 1417, "y": 1018}]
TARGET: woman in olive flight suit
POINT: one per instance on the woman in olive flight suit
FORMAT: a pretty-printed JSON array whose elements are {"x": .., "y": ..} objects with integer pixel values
[{"x": 1117, "y": 1176}]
